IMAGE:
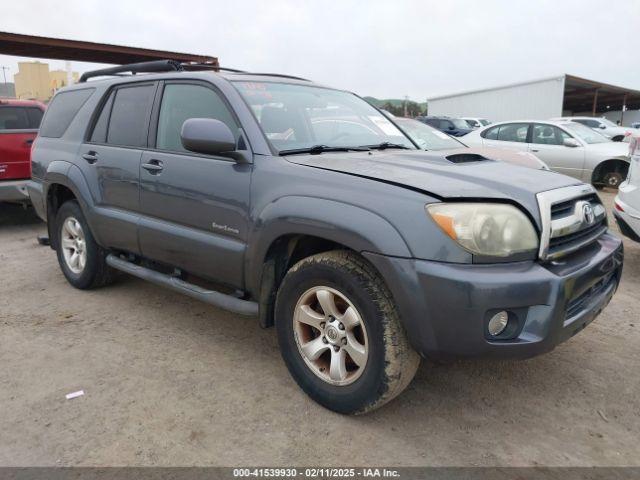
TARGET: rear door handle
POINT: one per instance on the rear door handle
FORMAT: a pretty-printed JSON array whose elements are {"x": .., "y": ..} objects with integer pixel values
[
  {"x": 91, "y": 157},
  {"x": 154, "y": 167}
]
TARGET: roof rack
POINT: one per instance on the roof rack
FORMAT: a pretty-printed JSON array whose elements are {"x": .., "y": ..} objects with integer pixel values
[
  {"x": 133, "y": 68},
  {"x": 157, "y": 66}
]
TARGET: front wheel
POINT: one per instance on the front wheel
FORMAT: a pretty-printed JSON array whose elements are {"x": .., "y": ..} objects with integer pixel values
[
  {"x": 340, "y": 335},
  {"x": 613, "y": 179}
]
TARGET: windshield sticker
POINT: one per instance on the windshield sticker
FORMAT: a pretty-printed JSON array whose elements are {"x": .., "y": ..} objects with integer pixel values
[{"x": 383, "y": 124}]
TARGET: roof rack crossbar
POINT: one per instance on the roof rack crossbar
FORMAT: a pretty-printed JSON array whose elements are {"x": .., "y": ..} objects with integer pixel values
[{"x": 133, "y": 68}]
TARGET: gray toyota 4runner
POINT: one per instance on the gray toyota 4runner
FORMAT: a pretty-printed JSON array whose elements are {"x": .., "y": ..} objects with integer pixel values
[{"x": 270, "y": 195}]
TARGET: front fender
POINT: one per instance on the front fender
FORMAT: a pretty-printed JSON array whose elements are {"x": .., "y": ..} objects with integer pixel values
[{"x": 355, "y": 227}]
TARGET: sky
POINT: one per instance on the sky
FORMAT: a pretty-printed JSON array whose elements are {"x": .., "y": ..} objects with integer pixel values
[{"x": 387, "y": 49}]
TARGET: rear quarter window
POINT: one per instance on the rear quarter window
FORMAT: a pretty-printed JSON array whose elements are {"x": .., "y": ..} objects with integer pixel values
[{"x": 62, "y": 110}]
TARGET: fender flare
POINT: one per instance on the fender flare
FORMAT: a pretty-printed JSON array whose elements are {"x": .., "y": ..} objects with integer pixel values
[
  {"x": 355, "y": 227},
  {"x": 70, "y": 176}
]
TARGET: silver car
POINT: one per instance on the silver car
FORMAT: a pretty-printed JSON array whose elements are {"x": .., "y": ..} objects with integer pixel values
[
  {"x": 603, "y": 126},
  {"x": 566, "y": 147}
]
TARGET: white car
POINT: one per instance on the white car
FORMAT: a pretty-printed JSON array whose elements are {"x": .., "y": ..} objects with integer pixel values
[
  {"x": 604, "y": 126},
  {"x": 475, "y": 122},
  {"x": 566, "y": 147},
  {"x": 627, "y": 203}
]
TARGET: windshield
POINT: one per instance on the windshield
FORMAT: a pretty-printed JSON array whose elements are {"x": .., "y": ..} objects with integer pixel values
[
  {"x": 607, "y": 122},
  {"x": 428, "y": 138},
  {"x": 459, "y": 123},
  {"x": 586, "y": 134},
  {"x": 296, "y": 117}
]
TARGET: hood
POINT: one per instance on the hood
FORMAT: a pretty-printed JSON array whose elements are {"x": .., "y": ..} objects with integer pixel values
[
  {"x": 432, "y": 173},
  {"x": 515, "y": 157}
]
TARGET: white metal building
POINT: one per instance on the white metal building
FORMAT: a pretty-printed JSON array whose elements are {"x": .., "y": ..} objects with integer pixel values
[{"x": 558, "y": 96}]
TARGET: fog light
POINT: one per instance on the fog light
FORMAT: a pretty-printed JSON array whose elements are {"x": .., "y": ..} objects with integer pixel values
[{"x": 498, "y": 323}]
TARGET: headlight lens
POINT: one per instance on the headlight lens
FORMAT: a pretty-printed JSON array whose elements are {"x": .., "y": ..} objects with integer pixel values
[{"x": 488, "y": 229}]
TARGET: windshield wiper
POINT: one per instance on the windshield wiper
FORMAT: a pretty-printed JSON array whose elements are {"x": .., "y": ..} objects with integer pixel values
[
  {"x": 317, "y": 149},
  {"x": 385, "y": 145}
]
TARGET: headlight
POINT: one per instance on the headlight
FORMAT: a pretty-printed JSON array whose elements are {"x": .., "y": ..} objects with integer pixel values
[{"x": 488, "y": 229}]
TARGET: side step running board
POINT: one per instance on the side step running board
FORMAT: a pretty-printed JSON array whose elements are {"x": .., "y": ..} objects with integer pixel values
[{"x": 227, "y": 302}]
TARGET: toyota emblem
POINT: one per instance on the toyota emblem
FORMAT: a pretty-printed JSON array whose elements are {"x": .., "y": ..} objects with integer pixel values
[{"x": 587, "y": 214}]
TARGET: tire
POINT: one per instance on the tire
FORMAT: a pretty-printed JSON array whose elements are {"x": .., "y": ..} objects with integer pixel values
[
  {"x": 360, "y": 298},
  {"x": 72, "y": 231}
]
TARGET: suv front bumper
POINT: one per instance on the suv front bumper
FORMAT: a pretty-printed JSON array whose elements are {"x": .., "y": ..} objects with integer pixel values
[{"x": 446, "y": 307}]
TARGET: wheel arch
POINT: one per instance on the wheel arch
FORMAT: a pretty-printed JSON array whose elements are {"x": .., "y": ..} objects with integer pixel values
[
  {"x": 298, "y": 227},
  {"x": 611, "y": 165}
]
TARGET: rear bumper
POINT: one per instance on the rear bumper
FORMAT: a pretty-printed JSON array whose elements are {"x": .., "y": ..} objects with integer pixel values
[
  {"x": 35, "y": 190},
  {"x": 14, "y": 191},
  {"x": 445, "y": 308}
]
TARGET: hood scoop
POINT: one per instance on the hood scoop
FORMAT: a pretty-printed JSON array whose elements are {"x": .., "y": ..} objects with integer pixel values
[{"x": 466, "y": 158}]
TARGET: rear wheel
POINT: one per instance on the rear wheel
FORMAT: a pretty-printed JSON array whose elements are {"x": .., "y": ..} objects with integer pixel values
[
  {"x": 340, "y": 334},
  {"x": 81, "y": 259}
]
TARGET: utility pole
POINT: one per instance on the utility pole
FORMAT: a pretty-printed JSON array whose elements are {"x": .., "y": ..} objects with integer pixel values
[
  {"x": 406, "y": 99},
  {"x": 4, "y": 74}
]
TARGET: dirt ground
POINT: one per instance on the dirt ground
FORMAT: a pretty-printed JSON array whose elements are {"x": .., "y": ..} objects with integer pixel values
[{"x": 172, "y": 381}]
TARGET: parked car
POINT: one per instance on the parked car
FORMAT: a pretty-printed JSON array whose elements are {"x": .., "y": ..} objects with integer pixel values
[
  {"x": 475, "y": 122},
  {"x": 451, "y": 126},
  {"x": 627, "y": 203},
  {"x": 19, "y": 122},
  {"x": 603, "y": 126},
  {"x": 635, "y": 125},
  {"x": 432, "y": 139},
  {"x": 364, "y": 251},
  {"x": 566, "y": 147}
]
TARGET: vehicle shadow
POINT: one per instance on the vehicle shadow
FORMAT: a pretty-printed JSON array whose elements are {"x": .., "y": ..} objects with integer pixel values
[{"x": 13, "y": 215}]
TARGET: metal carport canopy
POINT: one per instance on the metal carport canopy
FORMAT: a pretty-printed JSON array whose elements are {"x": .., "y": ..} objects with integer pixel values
[
  {"x": 80, "y": 51},
  {"x": 582, "y": 95}
]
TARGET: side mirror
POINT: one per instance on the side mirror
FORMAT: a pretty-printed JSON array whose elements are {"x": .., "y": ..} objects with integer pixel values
[
  {"x": 602, "y": 126},
  {"x": 207, "y": 135},
  {"x": 451, "y": 127},
  {"x": 570, "y": 142}
]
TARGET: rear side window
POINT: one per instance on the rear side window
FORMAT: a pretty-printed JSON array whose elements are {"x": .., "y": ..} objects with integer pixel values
[
  {"x": 62, "y": 110},
  {"x": 588, "y": 123},
  {"x": 20, "y": 118},
  {"x": 509, "y": 132},
  {"x": 99, "y": 134},
  {"x": 129, "y": 120}
]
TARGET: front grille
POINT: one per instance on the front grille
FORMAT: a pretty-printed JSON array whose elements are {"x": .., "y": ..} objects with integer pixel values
[{"x": 572, "y": 218}]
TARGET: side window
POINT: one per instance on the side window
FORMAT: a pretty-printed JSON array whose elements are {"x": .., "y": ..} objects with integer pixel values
[
  {"x": 35, "y": 117},
  {"x": 129, "y": 121},
  {"x": 513, "y": 132},
  {"x": 589, "y": 123},
  {"x": 13, "y": 118},
  {"x": 445, "y": 125},
  {"x": 99, "y": 134},
  {"x": 62, "y": 110},
  {"x": 548, "y": 135},
  {"x": 183, "y": 101},
  {"x": 491, "y": 134}
]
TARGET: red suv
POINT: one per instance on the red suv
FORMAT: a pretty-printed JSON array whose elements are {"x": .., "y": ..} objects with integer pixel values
[{"x": 19, "y": 123}]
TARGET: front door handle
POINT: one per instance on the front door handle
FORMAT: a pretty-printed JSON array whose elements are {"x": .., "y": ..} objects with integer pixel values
[
  {"x": 154, "y": 167},
  {"x": 91, "y": 157}
]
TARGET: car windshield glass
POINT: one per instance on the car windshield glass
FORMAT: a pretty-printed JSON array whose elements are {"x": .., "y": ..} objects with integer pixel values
[
  {"x": 428, "y": 138},
  {"x": 459, "y": 123},
  {"x": 484, "y": 122},
  {"x": 585, "y": 134},
  {"x": 302, "y": 117},
  {"x": 607, "y": 122}
]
